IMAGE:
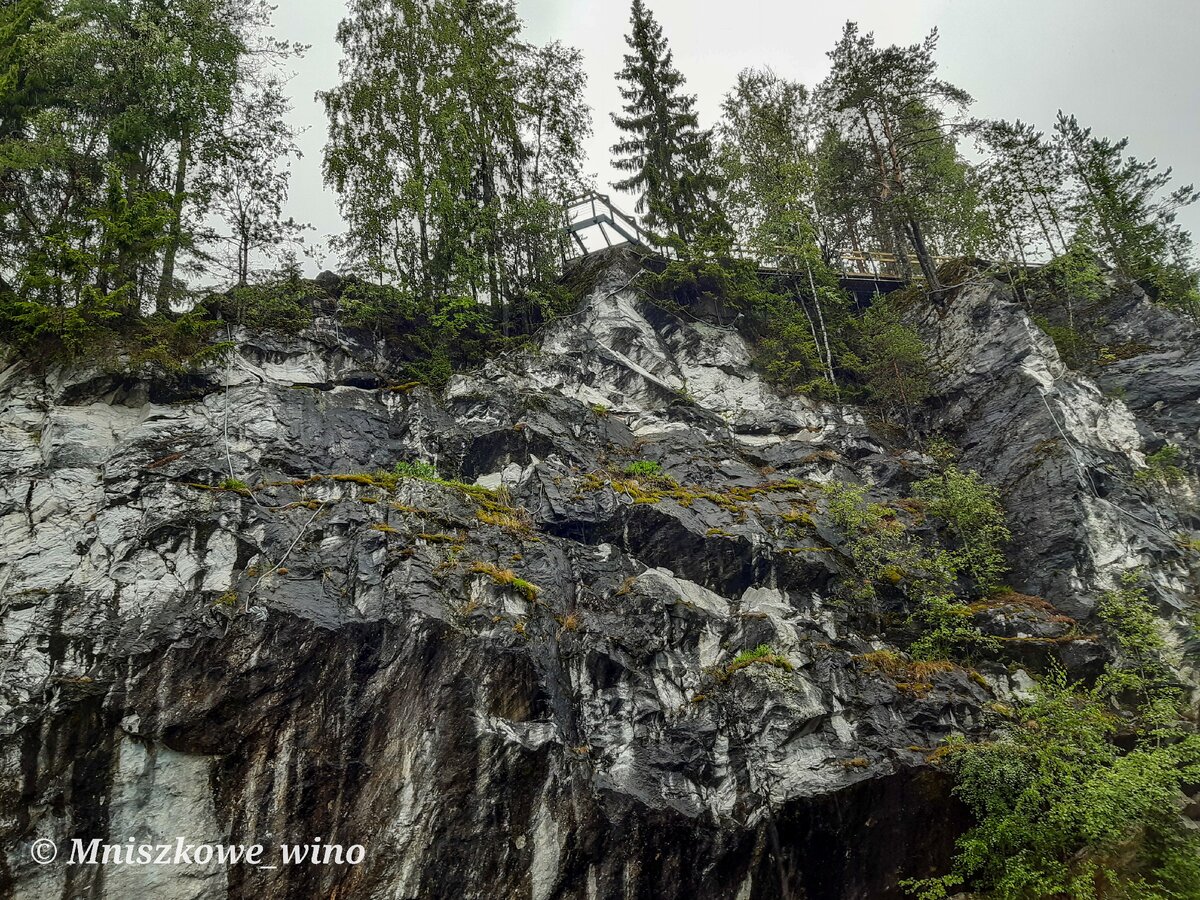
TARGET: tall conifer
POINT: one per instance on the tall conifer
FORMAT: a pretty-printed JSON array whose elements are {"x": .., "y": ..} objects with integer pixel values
[{"x": 666, "y": 153}]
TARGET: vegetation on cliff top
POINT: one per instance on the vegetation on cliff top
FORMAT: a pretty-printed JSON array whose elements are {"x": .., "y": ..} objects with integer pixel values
[
  {"x": 146, "y": 145},
  {"x": 142, "y": 143}
]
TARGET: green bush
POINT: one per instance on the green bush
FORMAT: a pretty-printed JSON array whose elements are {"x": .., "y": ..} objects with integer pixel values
[
  {"x": 971, "y": 511},
  {"x": 419, "y": 469},
  {"x": 945, "y": 630},
  {"x": 1073, "y": 277},
  {"x": 885, "y": 551},
  {"x": 102, "y": 327},
  {"x": 643, "y": 468},
  {"x": 1162, "y": 467},
  {"x": 895, "y": 361},
  {"x": 436, "y": 338},
  {"x": 280, "y": 302},
  {"x": 777, "y": 315},
  {"x": 1063, "y": 812},
  {"x": 1130, "y": 620},
  {"x": 43, "y": 332},
  {"x": 762, "y": 655},
  {"x": 1074, "y": 349}
]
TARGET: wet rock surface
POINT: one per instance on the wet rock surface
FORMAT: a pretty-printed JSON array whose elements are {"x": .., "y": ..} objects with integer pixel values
[{"x": 519, "y": 681}]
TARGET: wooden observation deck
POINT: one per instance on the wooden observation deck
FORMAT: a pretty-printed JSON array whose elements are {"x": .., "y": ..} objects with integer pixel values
[{"x": 863, "y": 273}]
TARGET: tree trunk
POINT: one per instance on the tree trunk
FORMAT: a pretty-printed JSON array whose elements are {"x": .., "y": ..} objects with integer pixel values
[
  {"x": 925, "y": 259},
  {"x": 166, "y": 283},
  {"x": 244, "y": 239},
  {"x": 127, "y": 276},
  {"x": 828, "y": 355},
  {"x": 1054, "y": 220},
  {"x": 1113, "y": 245},
  {"x": 1037, "y": 212}
]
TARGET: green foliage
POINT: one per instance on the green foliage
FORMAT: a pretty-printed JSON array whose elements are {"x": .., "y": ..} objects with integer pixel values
[
  {"x": 1131, "y": 619},
  {"x": 40, "y": 331},
  {"x": 971, "y": 511},
  {"x": 102, "y": 332},
  {"x": 1060, "y": 291},
  {"x": 667, "y": 155},
  {"x": 762, "y": 651},
  {"x": 798, "y": 344},
  {"x": 1022, "y": 188},
  {"x": 248, "y": 182},
  {"x": 236, "y": 485},
  {"x": 506, "y": 578},
  {"x": 419, "y": 469},
  {"x": 643, "y": 468},
  {"x": 768, "y": 174},
  {"x": 883, "y": 550},
  {"x": 1073, "y": 347},
  {"x": 102, "y": 329},
  {"x": 1073, "y": 276},
  {"x": 1061, "y": 811},
  {"x": 787, "y": 353},
  {"x": 115, "y": 117},
  {"x": 166, "y": 344},
  {"x": 1126, "y": 209},
  {"x": 280, "y": 302},
  {"x": 123, "y": 112},
  {"x": 452, "y": 146},
  {"x": 1162, "y": 467},
  {"x": 894, "y": 361},
  {"x": 767, "y": 168},
  {"x": 945, "y": 630},
  {"x": 887, "y": 552},
  {"x": 437, "y": 338},
  {"x": 891, "y": 124},
  {"x": 762, "y": 655},
  {"x": 733, "y": 283}
]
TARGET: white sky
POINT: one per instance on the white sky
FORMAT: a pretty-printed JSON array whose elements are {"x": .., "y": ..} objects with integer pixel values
[{"x": 1123, "y": 67}]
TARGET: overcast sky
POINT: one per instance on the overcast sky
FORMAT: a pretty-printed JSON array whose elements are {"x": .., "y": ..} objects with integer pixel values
[{"x": 1123, "y": 67}]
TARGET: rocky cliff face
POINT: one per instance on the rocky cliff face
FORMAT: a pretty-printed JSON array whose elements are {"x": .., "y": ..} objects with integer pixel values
[{"x": 518, "y": 683}]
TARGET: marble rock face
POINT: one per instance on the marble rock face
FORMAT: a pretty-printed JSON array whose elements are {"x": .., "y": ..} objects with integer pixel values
[{"x": 344, "y": 657}]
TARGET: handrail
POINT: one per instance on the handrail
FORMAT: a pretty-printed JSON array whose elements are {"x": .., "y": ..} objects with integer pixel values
[
  {"x": 593, "y": 210},
  {"x": 603, "y": 212}
]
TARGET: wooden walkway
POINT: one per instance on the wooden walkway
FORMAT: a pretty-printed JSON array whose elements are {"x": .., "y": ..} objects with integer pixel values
[{"x": 862, "y": 272}]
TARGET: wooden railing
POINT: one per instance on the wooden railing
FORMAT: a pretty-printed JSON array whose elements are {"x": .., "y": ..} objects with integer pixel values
[
  {"x": 597, "y": 211},
  {"x": 877, "y": 265},
  {"x": 593, "y": 211}
]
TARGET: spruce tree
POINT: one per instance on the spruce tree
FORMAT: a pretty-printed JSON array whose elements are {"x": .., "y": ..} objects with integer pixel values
[{"x": 667, "y": 154}]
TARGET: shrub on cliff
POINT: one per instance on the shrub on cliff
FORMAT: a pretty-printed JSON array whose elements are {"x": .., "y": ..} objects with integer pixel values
[{"x": 1062, "y": 811}]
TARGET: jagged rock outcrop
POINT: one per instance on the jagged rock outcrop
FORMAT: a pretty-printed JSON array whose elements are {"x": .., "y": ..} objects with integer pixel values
[{"x": 518, "y": 683}]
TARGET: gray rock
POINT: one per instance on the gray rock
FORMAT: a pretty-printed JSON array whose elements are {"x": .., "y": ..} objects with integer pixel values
[{"x": 333, "y": 657}]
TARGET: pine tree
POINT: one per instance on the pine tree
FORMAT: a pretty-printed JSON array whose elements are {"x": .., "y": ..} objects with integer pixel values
[
  {"x": 668, "y": 155},
  {"x": 1124, "y": 206},
  {"x": 1022, "y": 178},
  {"x": 889, "y": 104}
]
